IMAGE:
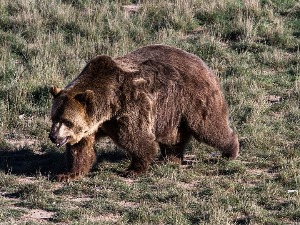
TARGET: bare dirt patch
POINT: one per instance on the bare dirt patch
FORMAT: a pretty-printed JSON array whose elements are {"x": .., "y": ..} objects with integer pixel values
[
  {"x": 82, "y": 199},
  {"x": 187, "y": 186},
  {"x": 37, "y": 215},
  {"x": 129, "y": 204},
  {"x": 105, "y": 218},
  {"x": 26, "y": 180}
]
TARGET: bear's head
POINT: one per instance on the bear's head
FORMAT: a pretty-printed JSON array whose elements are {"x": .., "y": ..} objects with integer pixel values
[
  {"x": 72, "y": 116},
  {"x": 88, "y": 101}
]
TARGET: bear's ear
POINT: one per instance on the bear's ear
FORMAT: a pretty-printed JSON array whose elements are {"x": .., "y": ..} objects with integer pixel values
[{"x": 55, "y": 91}]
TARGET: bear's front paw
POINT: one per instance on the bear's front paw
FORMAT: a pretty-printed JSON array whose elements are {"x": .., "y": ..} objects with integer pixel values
[{"x": 66, "y": 177}]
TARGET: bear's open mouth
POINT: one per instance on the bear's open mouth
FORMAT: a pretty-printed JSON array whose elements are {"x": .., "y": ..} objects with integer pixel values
[{"x": 62, "y": 142}]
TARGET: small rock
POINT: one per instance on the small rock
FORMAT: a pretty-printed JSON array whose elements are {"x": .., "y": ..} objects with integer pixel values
[{"x": 22, "y": 116}]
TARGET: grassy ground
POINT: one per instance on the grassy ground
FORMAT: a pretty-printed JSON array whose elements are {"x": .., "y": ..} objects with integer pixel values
[{"x": 253, "y": 46}]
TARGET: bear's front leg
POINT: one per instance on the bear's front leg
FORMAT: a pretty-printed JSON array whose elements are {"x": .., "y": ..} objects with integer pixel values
[
  {"x": 140, "y": 163},
  {"x": 142, "y": 149},
  {"x": 135, "y": 130},
  {"x": 79, "y": 158}
]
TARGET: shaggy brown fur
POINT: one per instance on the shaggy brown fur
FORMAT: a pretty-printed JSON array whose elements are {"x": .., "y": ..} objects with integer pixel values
[{"x": 155, "y": 97}]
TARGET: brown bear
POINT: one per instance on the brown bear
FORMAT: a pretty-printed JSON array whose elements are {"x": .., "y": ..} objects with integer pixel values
[{"x": 156, "y": 97}]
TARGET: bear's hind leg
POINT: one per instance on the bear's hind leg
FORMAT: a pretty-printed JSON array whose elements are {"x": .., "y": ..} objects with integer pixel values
[
  {"x": 221, "y": 137},
  {"x": 231, "y": 149},
  {"x": 214, "y": 130},
  {"x": 80, "y": 158}
]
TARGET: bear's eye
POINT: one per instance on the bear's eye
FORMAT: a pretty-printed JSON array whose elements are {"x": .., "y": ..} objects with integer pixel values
[{"x": 68, "y": 123}]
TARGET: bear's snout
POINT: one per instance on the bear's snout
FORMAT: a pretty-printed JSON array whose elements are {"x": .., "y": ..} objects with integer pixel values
[
  {"x": 59, "y": 134},
  {"x": 59, "y": 141}
]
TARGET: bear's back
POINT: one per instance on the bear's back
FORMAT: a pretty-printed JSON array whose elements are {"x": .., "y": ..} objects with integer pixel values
[{"x": 191, "y": 68}]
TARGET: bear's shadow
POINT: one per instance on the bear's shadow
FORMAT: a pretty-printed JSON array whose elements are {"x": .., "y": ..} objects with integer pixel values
[
  {"x": 27, "y": 162},
  {"x": 48, "y": 163}
]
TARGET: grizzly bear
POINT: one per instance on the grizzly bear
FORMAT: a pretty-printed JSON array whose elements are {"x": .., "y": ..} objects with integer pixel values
[{"x": 156, "y": 97}]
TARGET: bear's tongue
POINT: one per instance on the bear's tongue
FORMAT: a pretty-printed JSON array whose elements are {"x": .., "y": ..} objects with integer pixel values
[{"x": 61, "y": 142}]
